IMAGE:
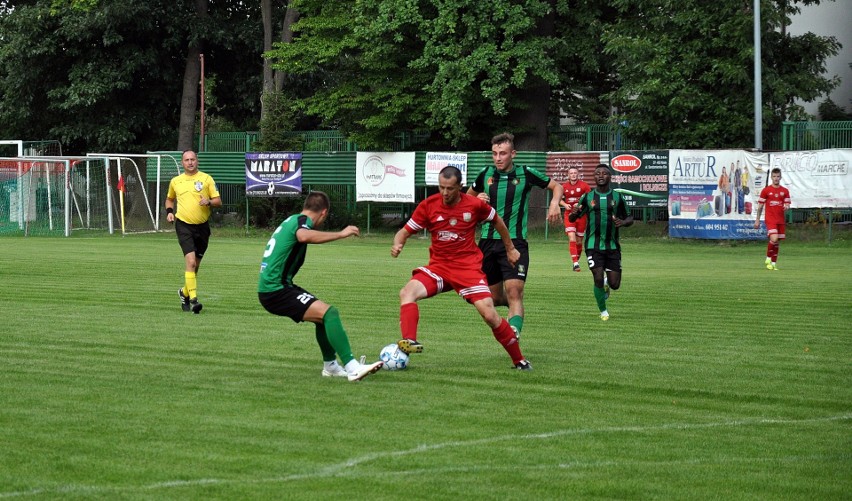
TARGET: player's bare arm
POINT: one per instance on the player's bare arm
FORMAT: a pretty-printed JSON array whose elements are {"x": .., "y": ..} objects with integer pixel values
[
  {"x": 553, "y": 212},
  {"x": 399, "y": 241},
  {"x": 575, "y": 212},
  {"x": 306, "y": 236},
  {"x": 757, "y": 218},
  {"x": 170, "y": 210},
  {"x": 622, "y": 222},
  {"x": 482, "y": 196}
]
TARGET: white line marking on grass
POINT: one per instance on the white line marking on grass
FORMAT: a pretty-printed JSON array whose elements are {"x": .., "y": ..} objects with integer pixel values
[{"x": 340, "y": 469}]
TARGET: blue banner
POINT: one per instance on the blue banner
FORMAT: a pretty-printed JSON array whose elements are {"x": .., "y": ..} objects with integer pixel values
[{"x": 273, "y": 173}]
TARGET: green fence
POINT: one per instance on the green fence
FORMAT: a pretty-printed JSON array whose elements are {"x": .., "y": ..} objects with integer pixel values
[
  {"x": 792, "y": 136},
  {"x": 797, "y": 136}
]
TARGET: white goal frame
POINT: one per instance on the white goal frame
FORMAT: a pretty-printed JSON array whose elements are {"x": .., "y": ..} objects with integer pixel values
[{"x": 118, "y": 157}]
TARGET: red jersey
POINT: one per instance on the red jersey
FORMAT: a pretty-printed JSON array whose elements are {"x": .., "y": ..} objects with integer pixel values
[
  {"x": 573, "y": 192},
  {"x": 774, "y": 199},
  {"x": 453, "y": 229}
]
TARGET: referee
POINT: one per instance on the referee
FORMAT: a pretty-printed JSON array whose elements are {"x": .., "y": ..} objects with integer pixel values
[{"x": 195, "y": 193}]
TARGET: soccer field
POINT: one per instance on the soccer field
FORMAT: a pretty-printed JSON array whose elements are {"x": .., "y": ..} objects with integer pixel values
[{"x": 714, "y": 378}]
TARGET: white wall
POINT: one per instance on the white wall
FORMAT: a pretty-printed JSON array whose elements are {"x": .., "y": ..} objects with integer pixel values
[{"x": 830, "y": 18}]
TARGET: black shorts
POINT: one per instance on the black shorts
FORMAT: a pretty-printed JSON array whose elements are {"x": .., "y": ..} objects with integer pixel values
[
  {"x": 193, "y": 237},
  {"x": 610, "y": 259},
  {"x": 290, "y": 302},
  {"x": 495, "y": 265}
]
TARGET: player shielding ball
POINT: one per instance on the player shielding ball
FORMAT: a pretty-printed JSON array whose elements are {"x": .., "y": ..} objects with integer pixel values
[
  {"x": 282, "y": 258},
  {"x": 572, "y": 190},
  {"x": 455, "y": 261},
  {"x": 776, "y": 199},
  {"x": 607, "y": 212}
]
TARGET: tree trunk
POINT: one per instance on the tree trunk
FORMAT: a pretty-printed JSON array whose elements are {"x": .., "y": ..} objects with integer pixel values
[
  {"x": 191, "y": 81},
  {"x": 290, "y": 17},
  {"x": 531, "y": 115},
  {"x": 268, "y": 82}
]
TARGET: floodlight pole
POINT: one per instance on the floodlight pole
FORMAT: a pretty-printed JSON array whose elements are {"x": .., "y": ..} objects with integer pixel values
[{"x": 758, "y": 93}]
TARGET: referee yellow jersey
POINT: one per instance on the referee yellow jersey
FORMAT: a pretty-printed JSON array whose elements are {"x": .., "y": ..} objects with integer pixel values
[{"x": 188, "y": 190}]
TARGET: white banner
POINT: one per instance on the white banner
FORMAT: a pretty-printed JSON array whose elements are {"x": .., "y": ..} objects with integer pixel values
[
  {"x": 384, "y": 176},
  {"x": 816, "y": 178},
  {"x": 435, "y": 161}
]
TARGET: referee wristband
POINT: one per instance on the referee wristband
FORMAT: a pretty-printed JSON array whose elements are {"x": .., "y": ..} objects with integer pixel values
[{"x": 169, "y": 210}]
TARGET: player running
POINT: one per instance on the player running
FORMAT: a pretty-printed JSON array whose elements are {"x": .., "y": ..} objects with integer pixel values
[
  {"x": 607, "y": 212},
  {"x": 455, "y": 262},
  {"x": 573, "y": 189}
]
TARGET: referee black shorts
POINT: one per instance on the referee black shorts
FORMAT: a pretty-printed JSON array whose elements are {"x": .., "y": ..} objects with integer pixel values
[{"x": 193, "y": 237}]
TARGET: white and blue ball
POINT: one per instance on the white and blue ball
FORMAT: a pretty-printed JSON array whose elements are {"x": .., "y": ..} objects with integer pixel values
[{"x": 394, "y": 358}]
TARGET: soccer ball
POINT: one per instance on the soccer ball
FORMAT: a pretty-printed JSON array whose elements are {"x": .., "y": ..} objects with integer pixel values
[{"x": 394, "y": 358}]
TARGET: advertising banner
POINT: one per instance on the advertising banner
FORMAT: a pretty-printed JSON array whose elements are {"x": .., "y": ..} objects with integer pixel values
[
  {"x": 558, "y": 163},
  {"x": 641, "y": 176},
  {"x": 384, "y": 176},
  {"x": 273, "y": 173},
  {"x": 713, "y": 193},
  {"x": 816, "y": 178},
  {"x": 435, "y": 161}
]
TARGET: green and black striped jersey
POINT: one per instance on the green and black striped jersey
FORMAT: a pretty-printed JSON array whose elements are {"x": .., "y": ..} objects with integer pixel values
[
  {"x": 283, "y": 255},
  {"x": 601, "y": 232},
  {"x": 509, "y": 194}
]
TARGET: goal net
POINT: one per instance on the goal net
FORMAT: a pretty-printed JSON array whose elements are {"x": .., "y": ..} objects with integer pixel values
[{"x": 54, "y": 195}]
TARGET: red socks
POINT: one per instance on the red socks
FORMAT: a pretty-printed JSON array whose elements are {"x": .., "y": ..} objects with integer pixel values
[
  {"x": 409, "y": 316},
  {"x": 575, "y": 251},
  {"x": 506, "y": 337},
  {"x": 772, "y": 251}
]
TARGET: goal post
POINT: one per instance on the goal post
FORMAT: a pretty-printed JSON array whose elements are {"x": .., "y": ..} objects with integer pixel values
[
  {"x": 53, "y": 195},
  {"x": 143, "y": 195},
  {"x": 34, "y": 196}
]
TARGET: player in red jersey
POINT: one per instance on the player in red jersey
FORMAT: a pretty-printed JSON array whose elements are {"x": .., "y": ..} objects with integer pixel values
[
  {"x": 455, "y": 261},
  {"x": 573, "y": 189},
  {"x": 776, "y": 198}
]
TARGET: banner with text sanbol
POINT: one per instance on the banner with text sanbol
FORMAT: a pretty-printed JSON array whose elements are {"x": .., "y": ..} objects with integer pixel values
[{"x": 384, "y": 176}]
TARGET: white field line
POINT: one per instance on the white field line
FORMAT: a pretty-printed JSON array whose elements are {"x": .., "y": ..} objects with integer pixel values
[{"x": 342, "y": 469}]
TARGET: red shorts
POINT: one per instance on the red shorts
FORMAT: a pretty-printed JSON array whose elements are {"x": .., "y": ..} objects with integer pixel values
[
  {"x": 438, "y": 278},
  {"x": 776, "y": 228},
  {"x": 578, "y": 226}
]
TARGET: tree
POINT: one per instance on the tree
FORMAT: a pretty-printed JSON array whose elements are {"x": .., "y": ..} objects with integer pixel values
[
  {"x": 104, "y": 75},
  {"x": 686, "y": 69},
  {"x": 463, "y": 68}
]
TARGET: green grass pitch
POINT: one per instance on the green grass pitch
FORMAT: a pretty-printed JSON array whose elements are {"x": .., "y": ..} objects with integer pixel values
[{"x": 714, "y": 378}]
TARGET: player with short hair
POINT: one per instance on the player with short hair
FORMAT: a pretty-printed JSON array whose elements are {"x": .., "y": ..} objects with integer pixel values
[
  {"x": 776, "y": 198},
  {"x": 455, "y": 262},
  {"x": 506, "y": 187},
  {"x": 607, "y": 212},
  {"x": 195, "y": 193},
  {"x": 282, "y": 258},
  {"x": 572, "y": 190}
]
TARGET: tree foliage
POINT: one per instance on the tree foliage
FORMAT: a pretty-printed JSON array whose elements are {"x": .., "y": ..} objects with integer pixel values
[
  {"x": 678, "y": 73},
  {"x": 456, "y": 67},
  {"x": 685, "y": 69},
  {"x": 106, "y": 75}
]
